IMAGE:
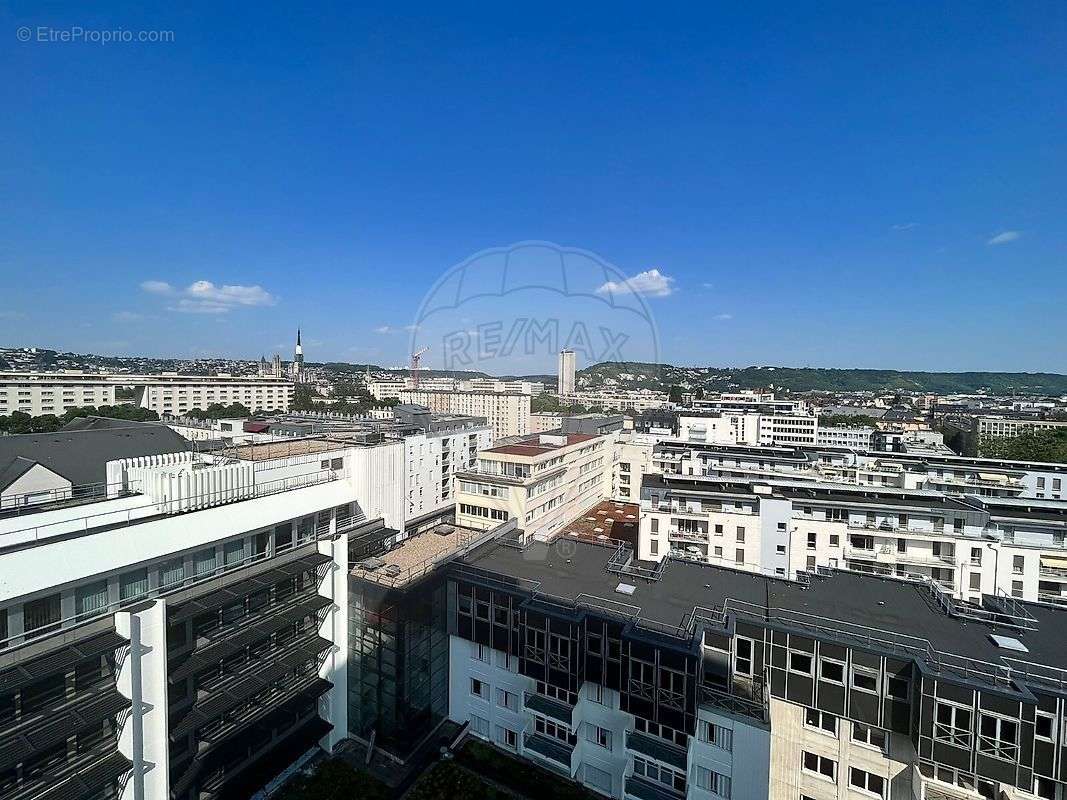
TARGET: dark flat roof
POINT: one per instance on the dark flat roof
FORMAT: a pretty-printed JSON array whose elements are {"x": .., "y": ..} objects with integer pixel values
[{"x": 576, "y": 571}]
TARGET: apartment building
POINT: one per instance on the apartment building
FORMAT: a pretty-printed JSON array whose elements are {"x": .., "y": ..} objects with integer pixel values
[
  {"x": 966, "y": 546},
  {"x": 636, "y": 400},
  {"x": 508, "y": 413},
  {"x": 633, "y": 460},
  {"x": 37, "y": 393},
  {"x": 185, "y": 636},
  {"x": 695, "y": 681},
  {"x": 543, "y": 481},
  {"x": 173, "y": 395},
  {"x": 1010, "y": 427},
  {"x": 748, "y": 428},
  {"x": 935, "y": 471},
  {"x": 861, "y": 438},
  {"x": 432, "y": 459}
]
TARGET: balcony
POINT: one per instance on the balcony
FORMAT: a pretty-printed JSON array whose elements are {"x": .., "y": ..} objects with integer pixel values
[
  {"x": 548, "y": 707},
  {"x": 657, "y": 749},
  {"x": 644, "y": 789},
  {"x": 688, "y": 536},
  {"x": 749, "y": 701},
  {"x": 550, "y": 748}
]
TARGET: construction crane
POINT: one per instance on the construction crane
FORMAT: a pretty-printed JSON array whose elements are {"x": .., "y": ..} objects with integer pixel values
[{"x": 416, "y": 357}]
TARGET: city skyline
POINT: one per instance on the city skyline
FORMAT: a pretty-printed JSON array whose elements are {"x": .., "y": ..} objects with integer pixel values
[{"x": 839, "y": 192}]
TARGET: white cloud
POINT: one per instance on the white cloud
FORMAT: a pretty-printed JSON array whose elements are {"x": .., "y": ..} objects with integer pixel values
[
  {"x": 388, "y": 329},
  {"x": 12, "y": 315},
  {"x": 157, "y": 287},
  {"x": 650, "y": 283},
  {"x": 905, "y": 226},
  {"x": 1004, "y": 237},
  {"x": 204, "y": 297},
  {"x": 708, "y": 285},
  {"x": 724, "y": 316},
  {"x": 126, "y": 316}
]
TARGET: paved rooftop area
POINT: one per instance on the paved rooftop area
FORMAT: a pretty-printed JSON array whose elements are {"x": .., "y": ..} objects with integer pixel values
[
  {"x": 415, "y": 556},
  {"x": 608, "y": 519}
]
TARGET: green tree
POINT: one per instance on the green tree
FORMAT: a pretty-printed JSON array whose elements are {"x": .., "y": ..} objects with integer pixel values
[
  {"x": 1031, "y": 446},
  {"x": 675, "y": 394},
  {"x": 848, "y": 421}
]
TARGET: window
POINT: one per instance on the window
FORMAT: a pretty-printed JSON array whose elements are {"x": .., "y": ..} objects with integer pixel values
[
  {"x": 820, "y": 721},
  {"x": 1018, "y": 564},
  {"x": 820, "y": 765},
  {"x": 551, "y": 729},
  {"x": 1045, "y": 726},
  {"x": 743, "y": 656},
  {"x": 800, "y": 663},
  {"x": 133, "y": 584},
  {"x": 506, "y": 738},
  {"x": 508, "y": 700},
  {"x": 812, "y": 540},
  {"x": 897, "y": 688},
  {"x": 864, "y": 679},
  {"x": 659, "y": 774},
  {"x": 204, "y": 562},
  {"x": 1017, "y": 589},
  {"x": 832, "y": 671},
  {"x": 479, "y": 689},
  {"x": 711, "y": 781},
  {"x": 739, "y": 556},
  {"x": 234, "y": 552},
  {"x": 715, "y": 735},
  {"x": 91, "y": 598},
  {"x": 41, "y": 614},
  {"x": 598, "y": 736},
  {"x": 952, "y": 725},
  {"x": 171, "y": 574},
  {"x": 869, "y": 737},
  {"x": 835, "y": 540},
  {"x": 866, "y": 782},
  {"x": 740, "y": 534},
  {"x": 481, "y": 653},
  {"x": 480, "y": 726},
  {"x": 999, "y": 737},
  {"x": 595, "y": 693}
]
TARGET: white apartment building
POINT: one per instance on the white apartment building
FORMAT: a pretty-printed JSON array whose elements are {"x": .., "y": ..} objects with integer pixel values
[
  {"x": 565, "y": 373},
  {"x": 967, "y": 546},
  {"x": 170, "y": 394},
  {"x": 949, "y": 474},
  {"x": 37, "y": 393},
  {"x": 861, "y": 438},
  {"x": 544, "y": 421},
  {"x": 507, "y": 413},
  {"x": 543, "y": 481},
  {"x": 617, "y": 399},
  {"x": 1010, "y": 427},
  {"x": 432, "y": 459},
  {"x": 162, "y": 641},
  {"x": 748, "y": 428},
  {"x": 633, "y": 460}
]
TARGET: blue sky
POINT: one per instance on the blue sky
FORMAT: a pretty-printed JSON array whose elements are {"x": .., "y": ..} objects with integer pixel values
[{"x": 871, "y": 185}]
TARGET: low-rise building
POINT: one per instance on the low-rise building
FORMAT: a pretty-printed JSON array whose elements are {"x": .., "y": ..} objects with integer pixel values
[
  {"x": 508, "y": 413},
  {"x": 541, "y": 480},
  {"x": 37, "y": 393}
]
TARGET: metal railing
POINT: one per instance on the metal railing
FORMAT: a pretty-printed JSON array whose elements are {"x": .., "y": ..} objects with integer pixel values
[
  {"x": 321, "y": 532},
  {"x": 134, "y": 515}
]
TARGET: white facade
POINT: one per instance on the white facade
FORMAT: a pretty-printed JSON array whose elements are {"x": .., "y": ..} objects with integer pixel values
[
  {"x": 565, "y": 373},
  {"x": 544, "y": 482},
  {"x": 177, "y": 395},
  {"x": 432, "y": 461},
  {"x": 861, "y": 438},
  {"x": 508, "y": 414},
  {"x": 37, "y": 393}
]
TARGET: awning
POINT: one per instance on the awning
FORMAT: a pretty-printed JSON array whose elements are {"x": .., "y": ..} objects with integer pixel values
[
  {"x": 1056, "y": 562},
  {"x": 992, "y": 476}
]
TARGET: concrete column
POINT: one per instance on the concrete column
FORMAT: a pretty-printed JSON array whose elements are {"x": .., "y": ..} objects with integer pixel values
[
  {"x": 333, "y": 706},
  {"x": 143, "y": 679}
]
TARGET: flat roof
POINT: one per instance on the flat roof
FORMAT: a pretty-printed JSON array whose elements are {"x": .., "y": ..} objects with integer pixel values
[
  {"x": 578, "y": 572},
  {"x": 533, "y": 445}
]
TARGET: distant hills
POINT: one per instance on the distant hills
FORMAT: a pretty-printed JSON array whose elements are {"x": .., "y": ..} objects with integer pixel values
[
  {"x": 799, "y": 379},
  {"x": 619, "y": 374}
]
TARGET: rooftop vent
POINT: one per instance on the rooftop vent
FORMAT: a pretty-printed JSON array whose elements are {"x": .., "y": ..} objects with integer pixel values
[
  {"x": 626, "y": 589},
  {"x": 1009, "y": 643}
]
